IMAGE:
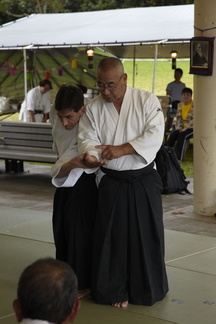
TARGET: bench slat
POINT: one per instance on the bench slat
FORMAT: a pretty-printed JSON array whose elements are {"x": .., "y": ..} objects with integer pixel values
[
  {"x": 25, "y": 130},
  {"x": 31, "y": 136},
  {"x": 26, "y": 143},
  {"x": 32, "y": 156},
  {"x": 21, "y": 141}
]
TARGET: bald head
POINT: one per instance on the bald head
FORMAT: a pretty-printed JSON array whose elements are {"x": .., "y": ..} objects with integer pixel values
[
  {"x": 109, "y": 63},
  {"x": 112, "y": 80}
]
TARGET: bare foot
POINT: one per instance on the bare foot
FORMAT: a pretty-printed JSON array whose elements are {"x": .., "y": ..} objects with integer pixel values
[
  {"x": 83, "y": 293},
  {"x": 116, "y": 304},
  {"x": 122, "y": 304}
]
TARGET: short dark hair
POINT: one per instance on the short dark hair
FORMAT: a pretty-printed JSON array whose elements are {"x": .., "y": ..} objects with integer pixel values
[
  {"x": 47, "y": 290},
  {"x": 44, "y": 82},
  {"x": 179, "y": 70},
  {"x": 187, "y": 90},
  {"x": 82, "y": 87},
  {"x": 69, "y": 97}
]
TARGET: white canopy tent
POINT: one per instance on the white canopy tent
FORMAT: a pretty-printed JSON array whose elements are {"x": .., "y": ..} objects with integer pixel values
[{"x": 149, "y": 32}]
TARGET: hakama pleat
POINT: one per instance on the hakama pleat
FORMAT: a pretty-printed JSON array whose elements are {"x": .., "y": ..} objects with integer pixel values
[
  {"x": 128, "y": 257},
  {"x": 74, "y": 213}
]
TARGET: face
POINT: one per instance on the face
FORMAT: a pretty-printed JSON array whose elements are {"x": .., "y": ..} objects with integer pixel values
[
  {"x": 177, "y": 75},
  {"x": 186, "y": 97},
  {"x": 199, "y": 49},
  {"x": 69, "y": 118},
  {"x": 112, "y": 85},
  {"x": 45, "y": 89}
]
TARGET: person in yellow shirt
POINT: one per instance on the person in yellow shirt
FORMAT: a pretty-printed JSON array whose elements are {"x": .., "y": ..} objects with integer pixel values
[{"x": 183, "y": 127}]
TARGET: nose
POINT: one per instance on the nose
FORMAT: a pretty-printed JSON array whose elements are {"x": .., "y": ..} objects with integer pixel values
[
  {"x": 106, "y": 90},
  {"x": 64, "y": 121}
]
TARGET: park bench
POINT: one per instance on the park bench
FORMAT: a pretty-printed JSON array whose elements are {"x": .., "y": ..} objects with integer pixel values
[{"x": 30, "y": 142}]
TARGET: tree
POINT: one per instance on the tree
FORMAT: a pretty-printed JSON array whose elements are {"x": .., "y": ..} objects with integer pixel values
[{"x": 13, "y": 9}]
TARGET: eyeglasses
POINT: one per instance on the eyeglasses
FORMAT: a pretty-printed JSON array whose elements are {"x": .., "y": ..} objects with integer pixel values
[{"x": 110, "y": 85}]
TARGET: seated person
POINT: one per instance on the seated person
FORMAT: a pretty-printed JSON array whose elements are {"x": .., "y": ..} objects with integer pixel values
[
  {"x": 183, "y": 124},
  {"x": 47, "y": 293}
]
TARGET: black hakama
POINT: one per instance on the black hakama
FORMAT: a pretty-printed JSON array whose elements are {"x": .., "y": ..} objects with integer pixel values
[
  {"x": 128, "y": 250},
  {"x": 74, "y": 213}
]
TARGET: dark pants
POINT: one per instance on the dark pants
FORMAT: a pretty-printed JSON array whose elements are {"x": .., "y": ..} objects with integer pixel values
[
  {"x": 180, "y": 138},
  {"x": 128, "y": 253},
  {"x": 74, "y": 214}
]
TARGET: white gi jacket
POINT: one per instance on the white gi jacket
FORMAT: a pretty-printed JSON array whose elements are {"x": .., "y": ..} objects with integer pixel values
[
  {"x": 65, "y": 143},
  {"x": 140, "y": 123},
  {"x": 35, "y": 100}
]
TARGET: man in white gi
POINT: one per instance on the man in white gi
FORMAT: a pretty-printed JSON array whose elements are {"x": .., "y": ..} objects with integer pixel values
[
  {"x": 125, "y": 127},
  {"x": 36, "y": 106},
  {"x": 47, "y": 293},
  {"x": 75, "y": 198}
]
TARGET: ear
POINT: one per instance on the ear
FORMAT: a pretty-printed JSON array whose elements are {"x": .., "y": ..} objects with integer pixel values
[
  {"x": 125, "y": 77},
  {"x": 17, "y": 310},
  {"x": 82, "y": 110},
  {"x": 74, "y": 311}
]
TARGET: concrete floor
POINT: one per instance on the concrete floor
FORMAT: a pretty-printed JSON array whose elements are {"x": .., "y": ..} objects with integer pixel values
[{"x": 26, "y": 234}]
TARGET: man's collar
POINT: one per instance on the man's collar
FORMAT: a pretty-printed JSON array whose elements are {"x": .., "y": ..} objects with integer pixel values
[{"x": 30, "y": 321}]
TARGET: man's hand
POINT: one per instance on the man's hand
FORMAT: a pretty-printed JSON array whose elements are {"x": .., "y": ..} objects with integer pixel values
[
  {"x": 79, "y": 162},
  {"x": 92, "y": 162},
  {"x": 76, "y": 162},
  {"x": 110, "y": 152}
]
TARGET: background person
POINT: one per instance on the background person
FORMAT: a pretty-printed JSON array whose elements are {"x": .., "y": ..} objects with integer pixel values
[
  {"x": 174, "y": 90},
  {"x": 125, "y": 127},
  {"x": 47, "y": 293},
  {"x": 183, "y": 124},
  {"x": 36, "y": 106},
  {"x": 75, "y": 199}
]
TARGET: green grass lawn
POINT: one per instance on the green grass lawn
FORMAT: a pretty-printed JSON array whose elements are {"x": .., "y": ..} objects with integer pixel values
[{"x": 164, "y": 75}]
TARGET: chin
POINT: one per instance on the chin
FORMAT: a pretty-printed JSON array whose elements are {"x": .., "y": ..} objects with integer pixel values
[{"x": 108, "y": 99}]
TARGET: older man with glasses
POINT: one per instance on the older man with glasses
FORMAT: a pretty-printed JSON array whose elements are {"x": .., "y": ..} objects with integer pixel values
[{"x": 125, "y": 127}]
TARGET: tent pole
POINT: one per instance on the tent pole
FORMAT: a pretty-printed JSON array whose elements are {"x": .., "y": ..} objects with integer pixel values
[
  {"x": 134, "y": 66},
  {"x": 25, "y": 72},
  {"x": 154, "y": 71}
]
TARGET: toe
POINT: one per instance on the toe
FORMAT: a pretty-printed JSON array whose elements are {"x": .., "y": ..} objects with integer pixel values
[
  {"x": 124, "y": 304},
  {"x": 116, "y": 304}
]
